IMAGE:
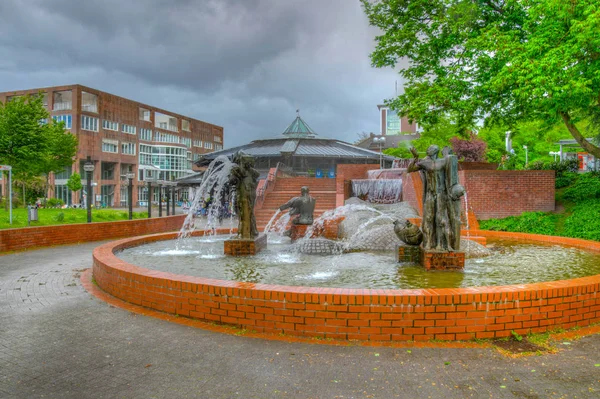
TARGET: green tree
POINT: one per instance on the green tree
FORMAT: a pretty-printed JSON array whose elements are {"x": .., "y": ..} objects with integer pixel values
[
  {"x": 507, "y": 61},
  {"x": 30, "y": 141},
  {"x": 74, "y": 182}
]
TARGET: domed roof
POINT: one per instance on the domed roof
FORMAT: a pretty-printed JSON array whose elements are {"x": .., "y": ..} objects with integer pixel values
[{"x": 298, "y": 128}]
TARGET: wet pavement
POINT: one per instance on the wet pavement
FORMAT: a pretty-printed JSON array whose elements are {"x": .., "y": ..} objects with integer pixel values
[{"x": 59, "y": 341}]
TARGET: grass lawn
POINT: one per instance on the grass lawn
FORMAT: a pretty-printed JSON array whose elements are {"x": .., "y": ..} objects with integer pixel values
[{"x": 51, "y": 216}]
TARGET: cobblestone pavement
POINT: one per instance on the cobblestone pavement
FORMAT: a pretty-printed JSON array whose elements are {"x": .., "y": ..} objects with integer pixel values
[{"x": 58, "y": 341}]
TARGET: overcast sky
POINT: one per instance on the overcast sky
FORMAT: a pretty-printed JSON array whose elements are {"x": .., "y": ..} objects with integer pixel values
[{"x": 246, "y": 65}]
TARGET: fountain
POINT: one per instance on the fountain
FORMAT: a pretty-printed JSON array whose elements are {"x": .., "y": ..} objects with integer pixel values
[
  {"x": 302, "y": 208},
  {"x": 343, "y": 279},
  {"x": 244, "y": 178},
  {"x": 441, "y": 223}
]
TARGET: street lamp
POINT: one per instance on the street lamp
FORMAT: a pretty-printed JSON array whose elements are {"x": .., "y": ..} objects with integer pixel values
[
  {"x": 381, "y": 141},
  {"x": 526, "y": 158},
  {"x": 130, "y": 176},
  {"x": 555, "y": 153},
  {"x": 88, "y": 167},
  {"x": 149, "y": 198}
]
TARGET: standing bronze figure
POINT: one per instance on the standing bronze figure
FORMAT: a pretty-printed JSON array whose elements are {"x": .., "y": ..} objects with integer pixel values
[
  {"x": 245, "y": 179},
  {"x": 441, "y": 198}
]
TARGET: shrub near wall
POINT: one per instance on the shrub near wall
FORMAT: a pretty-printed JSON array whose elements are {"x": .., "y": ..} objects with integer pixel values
[{"x": 46, "y": 236}]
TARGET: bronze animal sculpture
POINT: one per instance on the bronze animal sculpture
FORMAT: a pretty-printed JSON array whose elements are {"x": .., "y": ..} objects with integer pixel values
[{"x": 407, "y": 232}]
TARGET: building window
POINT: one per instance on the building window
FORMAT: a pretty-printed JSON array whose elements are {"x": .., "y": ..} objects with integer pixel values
[
  {"x": 208, "y": 145},
  {"x": 127, "y": 129},
  {"x": 62, "y": 192},
  {"x": 108, "y": 125},
  {"x": 62, "y": 100},
  {"x": 89, "y": 123},
  {"x": 198, "y": 143},
  {"x": 63, "y": 174},
  {"x": 89, "y": 102},
  {"x": 218, "y": 147},
  {"x": 217, "y": 139},
  {"x": 128, "y": 148},
  {"x": 144, "y": 114},
  {"x": 66, "y": 119},
  {"x": 185, "y": 125},
  {"x": 166, "y": 122},
  {"x": 186, "y": 141},
  {"x": 145, "y": 134},
  {"x": 165, "y": 137},
  {"x": 110, "y": 146}
]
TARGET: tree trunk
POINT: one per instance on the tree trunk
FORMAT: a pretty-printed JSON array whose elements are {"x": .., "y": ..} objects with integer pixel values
[
  {"x": 586, "y": 145},
  {"x": 24, "y": 198}
]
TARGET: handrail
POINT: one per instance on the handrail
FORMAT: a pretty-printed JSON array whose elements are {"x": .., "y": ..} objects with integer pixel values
[{"x": 280, "y": 169}]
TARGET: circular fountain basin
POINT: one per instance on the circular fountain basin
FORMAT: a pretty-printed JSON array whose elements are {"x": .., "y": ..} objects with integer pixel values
[
  {"x": 510, "y": 262},
  {"x": 358, "y": 313}
]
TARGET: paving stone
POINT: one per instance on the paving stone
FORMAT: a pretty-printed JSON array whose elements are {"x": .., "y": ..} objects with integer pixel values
[{"x": 57, "y": 341}]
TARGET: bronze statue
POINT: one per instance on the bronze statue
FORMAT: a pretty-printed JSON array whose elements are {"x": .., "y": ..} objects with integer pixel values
[
  {"x": 408, "y": 233},
  {"x": 441, "y": 198},
  {"x": 245, "y": 179},
  {"x": 302, "y": 207}
]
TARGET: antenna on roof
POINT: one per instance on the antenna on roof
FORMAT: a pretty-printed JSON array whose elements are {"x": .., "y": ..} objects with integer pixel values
[{"x": 297, "y": 112}]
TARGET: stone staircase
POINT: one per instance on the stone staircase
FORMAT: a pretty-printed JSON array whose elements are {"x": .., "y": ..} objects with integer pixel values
[{"x": 322, "y": 189}]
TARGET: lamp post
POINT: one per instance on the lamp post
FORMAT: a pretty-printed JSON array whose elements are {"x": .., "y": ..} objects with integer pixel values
[
  {"x": 381, "y": 141},
  {"x": 526, "y": 155},
  {"x": 149, "y": 199},
  {"x": 555, "y": 153},
  {"x": 159, "y": 199},
  {"x": 130, "y": 177},
  {"x": 88, "y": 167}
]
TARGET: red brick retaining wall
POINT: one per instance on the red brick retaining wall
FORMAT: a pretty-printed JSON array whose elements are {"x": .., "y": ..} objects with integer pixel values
[
  {"x": 361, "y": 314},
  {"x": 502, "y": 193},
  {"x": 47, "y": 236},
  {"x": 494, "y": 193}
]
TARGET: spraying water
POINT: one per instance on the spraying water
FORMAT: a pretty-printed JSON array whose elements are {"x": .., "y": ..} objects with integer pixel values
[{"x": 212, "y": 190}]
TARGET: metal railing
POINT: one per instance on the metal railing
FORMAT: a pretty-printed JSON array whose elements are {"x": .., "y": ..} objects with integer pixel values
[
  {"x": 280, "y": 170},
  {"x": 61, "y": 106}
]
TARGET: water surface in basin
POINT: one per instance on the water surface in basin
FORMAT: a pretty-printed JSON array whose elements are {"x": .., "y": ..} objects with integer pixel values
[{"x": 510, "y": 263}]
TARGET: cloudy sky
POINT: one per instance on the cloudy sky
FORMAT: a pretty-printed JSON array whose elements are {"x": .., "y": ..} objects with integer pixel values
[{"x": 246, "y": 65}]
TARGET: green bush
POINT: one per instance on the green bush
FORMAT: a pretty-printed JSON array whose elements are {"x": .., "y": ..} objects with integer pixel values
[
  {"x": 54, "y": 202},
  {"x": 528, "y": 222},
  {"x": 565, "y": 180},
  {"x": 585, "y": 221},
  {"x": 586, "y": 187}
]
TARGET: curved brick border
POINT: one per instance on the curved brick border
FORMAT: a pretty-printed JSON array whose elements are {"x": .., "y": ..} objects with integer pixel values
[
  {"x": 61, "y": 234},
  {"x": 361, "y": 314}
]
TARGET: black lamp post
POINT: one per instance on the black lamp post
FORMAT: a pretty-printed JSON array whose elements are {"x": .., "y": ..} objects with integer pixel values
[
  {"x": 159, "y": 199},
  {"x": 167, "y": 196},
  {"x": 149, "y": 199},
  {"x": 130, "y": 177},
  {"x": 88, "y": 167}
]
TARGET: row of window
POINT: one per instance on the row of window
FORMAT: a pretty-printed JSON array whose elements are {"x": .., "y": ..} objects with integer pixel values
[
  {"x": 108, "y": 125},
  {"x": 66, "y": 119},
  {"x": 90, "y": 123}
]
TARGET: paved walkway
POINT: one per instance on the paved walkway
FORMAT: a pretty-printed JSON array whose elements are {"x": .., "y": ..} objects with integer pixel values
[{"x": 58, "y": 341}]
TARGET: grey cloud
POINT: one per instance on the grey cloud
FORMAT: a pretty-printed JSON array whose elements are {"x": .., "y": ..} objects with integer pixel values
[{"x": 245, "y": 64}]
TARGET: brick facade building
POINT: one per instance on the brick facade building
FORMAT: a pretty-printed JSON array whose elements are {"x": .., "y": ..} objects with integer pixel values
[{"x": 123, "y": 136}]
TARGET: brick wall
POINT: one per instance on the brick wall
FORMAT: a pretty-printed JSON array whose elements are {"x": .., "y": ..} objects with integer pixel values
[
  {"x": 494, "y": 193},
  {"x": 347, "y": 172},
  {"x": 47, "y": 236},
  {"x": 502, "y": 193},
  {"x": 359, "y": 314}
]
